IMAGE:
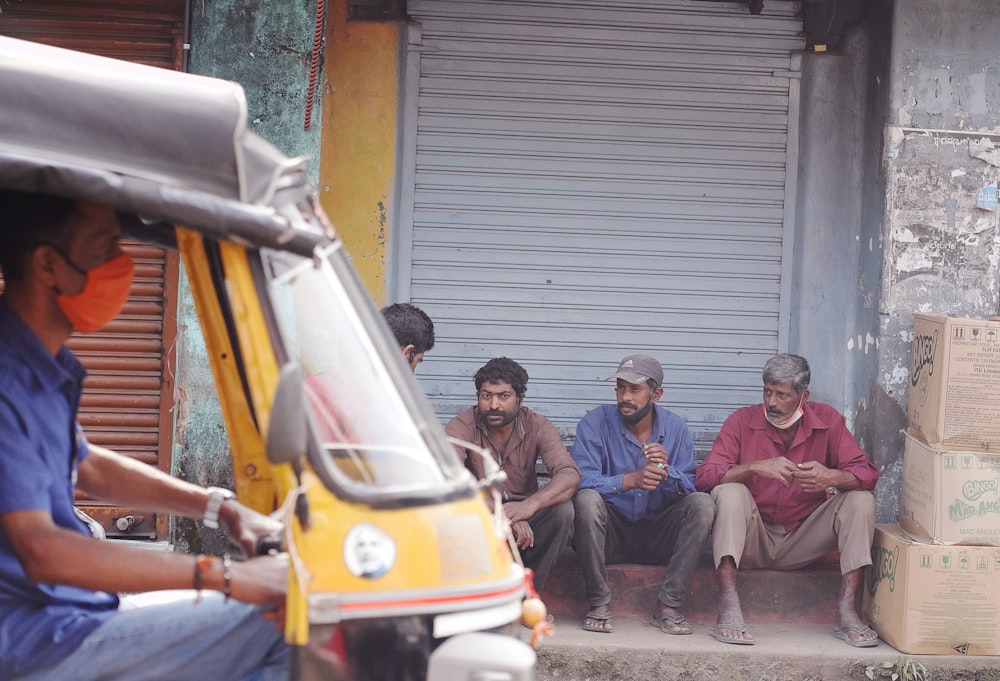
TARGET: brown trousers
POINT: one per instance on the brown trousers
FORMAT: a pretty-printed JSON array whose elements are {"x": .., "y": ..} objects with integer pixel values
[{"x": 846, "y": 521}]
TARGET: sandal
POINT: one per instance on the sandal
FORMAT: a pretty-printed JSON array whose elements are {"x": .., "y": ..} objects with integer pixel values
[
  {"x": 671, "y": 624},
  {"x": 717, "y": 629},
  {"x": 601, "y": 623},
  {"x": 862, "y": 633}
]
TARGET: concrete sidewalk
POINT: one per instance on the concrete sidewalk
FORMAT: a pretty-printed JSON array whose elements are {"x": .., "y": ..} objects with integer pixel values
[{"x": 783, "y": 652}]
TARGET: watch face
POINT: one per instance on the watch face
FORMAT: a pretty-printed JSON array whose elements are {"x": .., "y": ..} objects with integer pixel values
[
  {"x": 221, "y": 493},
  {"x": 369, "y": 551}
]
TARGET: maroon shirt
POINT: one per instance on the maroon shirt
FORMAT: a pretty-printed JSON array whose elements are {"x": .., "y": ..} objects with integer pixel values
[
  {"x": 534, "y": 436},
  {"x": 822, "y": 436}
]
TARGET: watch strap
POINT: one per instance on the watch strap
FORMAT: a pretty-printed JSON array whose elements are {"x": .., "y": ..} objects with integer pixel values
[{"x": 216, "y": 496}]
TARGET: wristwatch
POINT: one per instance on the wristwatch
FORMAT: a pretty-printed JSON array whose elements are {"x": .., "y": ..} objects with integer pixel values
[{"x": 216, "y": 495}]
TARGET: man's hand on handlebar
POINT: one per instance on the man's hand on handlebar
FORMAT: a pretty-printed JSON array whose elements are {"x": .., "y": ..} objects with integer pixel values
[{"x": 255, "y": 533}]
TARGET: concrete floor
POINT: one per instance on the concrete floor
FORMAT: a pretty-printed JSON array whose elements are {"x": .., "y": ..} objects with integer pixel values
[{"x": 784, "y": 652}]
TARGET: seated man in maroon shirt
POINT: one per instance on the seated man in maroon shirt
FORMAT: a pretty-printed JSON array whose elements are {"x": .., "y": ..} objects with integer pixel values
[
  {"x": 541, "y": 517},
  {"x": 790, "y": 484}
]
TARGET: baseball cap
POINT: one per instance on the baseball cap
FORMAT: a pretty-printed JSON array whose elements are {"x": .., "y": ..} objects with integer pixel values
[{"x": 638, "y": 369}]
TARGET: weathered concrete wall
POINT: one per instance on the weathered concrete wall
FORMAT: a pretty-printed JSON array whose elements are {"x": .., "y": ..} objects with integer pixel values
[
  {"x": 938, "y": 153},
  {"x": 201, "y": 451},
  {"x": 837, "y": 260},
  {"x": 266, "y": 48}
]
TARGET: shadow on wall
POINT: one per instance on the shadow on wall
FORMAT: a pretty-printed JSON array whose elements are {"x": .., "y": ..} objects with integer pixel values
[{"x": 878, "y": 428}]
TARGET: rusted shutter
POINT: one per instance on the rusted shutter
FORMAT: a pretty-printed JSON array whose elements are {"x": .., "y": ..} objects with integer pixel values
[
  {"x": 144, "y": 31},
  {"x": 129, "y": 390},
  {"x": 128, "y": 394}
]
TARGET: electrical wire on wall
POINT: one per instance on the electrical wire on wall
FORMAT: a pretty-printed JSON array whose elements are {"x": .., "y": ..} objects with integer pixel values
[{"x": 315, "y": 58}]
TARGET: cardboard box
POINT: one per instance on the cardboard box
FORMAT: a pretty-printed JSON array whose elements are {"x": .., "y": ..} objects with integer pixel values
[
  {"x": 950, "y": 497},
  {"x": 955, "y": 382},
  {"x": 933, "y": 600}
]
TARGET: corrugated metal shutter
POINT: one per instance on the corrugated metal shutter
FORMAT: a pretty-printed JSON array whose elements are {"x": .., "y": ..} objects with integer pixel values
[
  {"x": 594, "y": 179},
  {"x": 129, "y": 390},
  {"x": 144, "y": 31}
]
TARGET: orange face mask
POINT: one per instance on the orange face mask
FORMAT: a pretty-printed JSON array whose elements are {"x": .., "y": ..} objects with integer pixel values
[{"x": 103, "y": 296}]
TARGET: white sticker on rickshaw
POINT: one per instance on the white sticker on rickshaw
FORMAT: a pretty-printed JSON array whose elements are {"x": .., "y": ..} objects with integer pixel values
[{"x": 369, "y": 551}]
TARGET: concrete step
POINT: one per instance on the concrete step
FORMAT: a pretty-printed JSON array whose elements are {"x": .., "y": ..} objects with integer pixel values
[
  {"x": 807, "y": 596},
  {"x": 636, "y": 651},
  {"x": 791, "y": 615}
]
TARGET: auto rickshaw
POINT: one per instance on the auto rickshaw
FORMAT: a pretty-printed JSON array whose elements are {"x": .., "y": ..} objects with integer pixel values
[{"x": 399, "y": 568}]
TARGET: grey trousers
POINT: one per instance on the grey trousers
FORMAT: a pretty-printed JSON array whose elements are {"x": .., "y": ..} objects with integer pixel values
[
  {"x": 675, "y": 537},
  {"x": 553, "y": 530},
  {"x": 845, "y": 521}
]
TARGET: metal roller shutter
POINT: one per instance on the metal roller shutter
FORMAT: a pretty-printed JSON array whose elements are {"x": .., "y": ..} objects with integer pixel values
[
  {"x": 128, "y": 395},
  {"x": 143, "y": 31},
  {"x": 589, "y": 180}
]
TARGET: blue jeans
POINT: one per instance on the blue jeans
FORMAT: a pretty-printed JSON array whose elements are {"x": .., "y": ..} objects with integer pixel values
[{"x": 179, "y": 640}]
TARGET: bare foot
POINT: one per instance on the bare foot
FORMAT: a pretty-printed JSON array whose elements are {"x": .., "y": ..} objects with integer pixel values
[
  {"x": 730, "y": 626},
  {"x": 850, "y": 628}
]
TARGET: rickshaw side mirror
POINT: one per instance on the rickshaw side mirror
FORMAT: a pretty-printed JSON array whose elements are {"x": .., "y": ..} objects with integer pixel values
[{"x": 287, "y": 437}]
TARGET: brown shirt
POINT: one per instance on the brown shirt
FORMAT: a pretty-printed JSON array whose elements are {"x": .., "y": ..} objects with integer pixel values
[{"x": 534, "y": 436}]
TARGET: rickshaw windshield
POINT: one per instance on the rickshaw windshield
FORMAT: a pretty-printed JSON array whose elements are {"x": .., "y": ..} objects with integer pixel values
[{"x": 377, "y": 437}]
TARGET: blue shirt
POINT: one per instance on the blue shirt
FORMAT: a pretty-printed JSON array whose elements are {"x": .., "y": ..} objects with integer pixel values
[
  {"x": 41, "y": 445},
  {"x": 605, "y": 451}
]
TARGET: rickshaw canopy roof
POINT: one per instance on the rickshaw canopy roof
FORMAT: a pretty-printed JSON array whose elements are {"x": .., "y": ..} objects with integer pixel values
[{"x": 164, "y": 145}]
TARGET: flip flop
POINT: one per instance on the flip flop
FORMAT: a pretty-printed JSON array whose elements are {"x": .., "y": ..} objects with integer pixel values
[
  {"x": 604, "y": 622},
  {"x": 716, "y": 633},
  {"x": 680, "y": 628},
  {"x": 844, "y": 635}
]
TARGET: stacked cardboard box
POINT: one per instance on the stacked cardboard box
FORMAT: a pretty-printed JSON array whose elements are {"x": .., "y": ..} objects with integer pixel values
[
  {"x": 935, "y": 584},
  {"x": 950, "y": 497},
  {"x": 955, "y": 382},
  {"x": 933, "y": 599}
]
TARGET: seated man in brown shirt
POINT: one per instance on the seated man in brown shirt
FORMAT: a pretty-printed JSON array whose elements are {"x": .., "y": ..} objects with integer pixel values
[{"x": 541, "y": 517}]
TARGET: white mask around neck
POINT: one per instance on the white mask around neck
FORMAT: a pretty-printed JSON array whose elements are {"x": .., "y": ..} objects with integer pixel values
[{"x": 787, "y": 423}]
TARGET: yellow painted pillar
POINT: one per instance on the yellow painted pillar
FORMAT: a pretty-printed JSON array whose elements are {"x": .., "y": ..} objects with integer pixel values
[{"x": 360, "y": 130}]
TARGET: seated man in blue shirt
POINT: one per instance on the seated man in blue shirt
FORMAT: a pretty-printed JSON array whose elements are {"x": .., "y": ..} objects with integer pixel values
[{"x": 637, "y": 502}]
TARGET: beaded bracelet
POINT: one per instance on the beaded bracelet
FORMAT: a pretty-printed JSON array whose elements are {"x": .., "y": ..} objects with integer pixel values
[{"x": 227, "y": 575}]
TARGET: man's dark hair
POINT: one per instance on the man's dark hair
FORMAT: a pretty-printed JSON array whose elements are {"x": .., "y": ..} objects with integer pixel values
[
  {"x": 503, "y": 369},
  {"x": 787, "y": 368},
  {"x": 410, "y": 325},
  {"x": 28, "y": 221}
]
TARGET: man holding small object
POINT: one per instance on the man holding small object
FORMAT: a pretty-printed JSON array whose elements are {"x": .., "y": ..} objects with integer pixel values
[
  {"x": 790, "y": 484},
  {"x": 637, "y": 501}
]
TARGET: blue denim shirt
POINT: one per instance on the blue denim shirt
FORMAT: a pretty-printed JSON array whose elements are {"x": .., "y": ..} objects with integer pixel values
[
  {"x": 40, "y": 446},
  {"x": 605, "y": 451}
]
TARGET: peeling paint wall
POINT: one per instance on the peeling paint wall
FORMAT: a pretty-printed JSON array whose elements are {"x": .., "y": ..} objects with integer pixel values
[
  {"x": 940, "y": 158},
  {"x": 360, "y": 140},
  {"x": 266, "y": 48},
  {"x": 942, "y": 252}
]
